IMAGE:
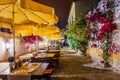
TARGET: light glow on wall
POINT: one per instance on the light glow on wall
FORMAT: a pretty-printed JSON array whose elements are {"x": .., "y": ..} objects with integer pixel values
[{"x": 7, "y": 45}]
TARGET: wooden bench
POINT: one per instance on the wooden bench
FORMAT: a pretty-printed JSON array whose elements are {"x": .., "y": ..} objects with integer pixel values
[{"x": 47, "y": 74}]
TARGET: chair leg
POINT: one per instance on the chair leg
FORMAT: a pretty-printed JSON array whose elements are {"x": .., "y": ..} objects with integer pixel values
[{"x": 47, "y": 77}]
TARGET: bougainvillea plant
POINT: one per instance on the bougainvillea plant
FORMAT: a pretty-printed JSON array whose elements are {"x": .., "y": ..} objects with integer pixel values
[
  {"x": 33, "y": 39},
  {"x": 76, "y": 34},
  {"x": 102, "y": 18},
  {"x": 105, "y": 35}
]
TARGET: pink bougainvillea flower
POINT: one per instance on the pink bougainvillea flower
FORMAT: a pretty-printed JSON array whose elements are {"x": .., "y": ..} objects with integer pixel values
[
  {"x": 90, "y": 19},
  {"x": 27, "y": 46},
  {"x": 99, "y": 38},
  {"x": 26, "y": 38},
  {"x": 94, "y": 17},
  {"x": 94, "y": 45},
  {"x": 114, "y": 48},
  {"x": 32, "y": 39},
  {"x": 40, "y": 39},
  {"x": 107, "y": 28}
]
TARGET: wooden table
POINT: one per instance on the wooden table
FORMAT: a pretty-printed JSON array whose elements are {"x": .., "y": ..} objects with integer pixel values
[
  {"x": 53, "y": 51},
  {"x": 48, "y": 57},
  {"x": 45, "y": 55},
  {"x": 3, "y": 66},
  {"x": 5, "y": 71}
]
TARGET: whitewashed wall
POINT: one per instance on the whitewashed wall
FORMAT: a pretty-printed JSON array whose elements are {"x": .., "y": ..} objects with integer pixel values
[
  {"x": 4, "y": 54},
  {"x": 20, "y": 47}
]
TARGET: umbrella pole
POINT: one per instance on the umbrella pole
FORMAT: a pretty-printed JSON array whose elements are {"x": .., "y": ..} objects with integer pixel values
[
  {"x": 36, "y": 44},
  {"x": 14, "y": 52},
  {"x": 37, "y": 40}
]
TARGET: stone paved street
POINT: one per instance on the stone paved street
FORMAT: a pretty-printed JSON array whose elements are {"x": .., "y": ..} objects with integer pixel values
[{"x": 71, "y": 68}]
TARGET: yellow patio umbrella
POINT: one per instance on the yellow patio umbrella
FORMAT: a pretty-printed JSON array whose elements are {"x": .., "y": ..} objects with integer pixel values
[
  {"x": 44, "y": 30},
  {"x": 55, "y": 36},
  {"x": 5, "y": 25},
  {"x": 24, "y": 29},
  {"x": 44, "y": 11},
  {"x": 7, "y": 1},
  {"x": 51, "y": 19},
  {"x": 39, "y": 32},
  {"x": 14, "y": 13},
  {"x": 22, "y": 15},
  {"x": 50, "y": 29},
  {"x": 21, "y": 29},
  {"x": 30, "y": 4},
  {"x": 28, "y": 29},
  {"x": 23, "y": 33}
]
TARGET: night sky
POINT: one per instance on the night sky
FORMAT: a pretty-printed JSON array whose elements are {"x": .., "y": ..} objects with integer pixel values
[{"x": 62, "y": 9}]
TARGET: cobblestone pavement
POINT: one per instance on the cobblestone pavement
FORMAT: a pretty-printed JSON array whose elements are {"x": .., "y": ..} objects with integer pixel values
[{"x": 71, "y": 68}]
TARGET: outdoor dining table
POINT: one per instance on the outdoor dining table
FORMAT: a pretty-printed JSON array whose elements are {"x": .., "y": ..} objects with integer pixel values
[
  {"x": 24, "y": 72},
  {"x": 47, "y": 57},
  {"x": 43, "y": 57},
  {"x": 54, "y": 51},
  {"x": 37, "y": 56}
]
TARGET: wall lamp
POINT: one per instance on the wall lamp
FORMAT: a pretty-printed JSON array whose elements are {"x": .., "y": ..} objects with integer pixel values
[{"x": 7, "y": 45}]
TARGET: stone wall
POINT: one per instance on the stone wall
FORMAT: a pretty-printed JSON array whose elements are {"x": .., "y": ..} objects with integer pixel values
[{"x": 83, "y": 6}]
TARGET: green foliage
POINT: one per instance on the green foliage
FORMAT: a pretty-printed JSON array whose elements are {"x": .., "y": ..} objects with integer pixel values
[{"x": 76, "y": 34}]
